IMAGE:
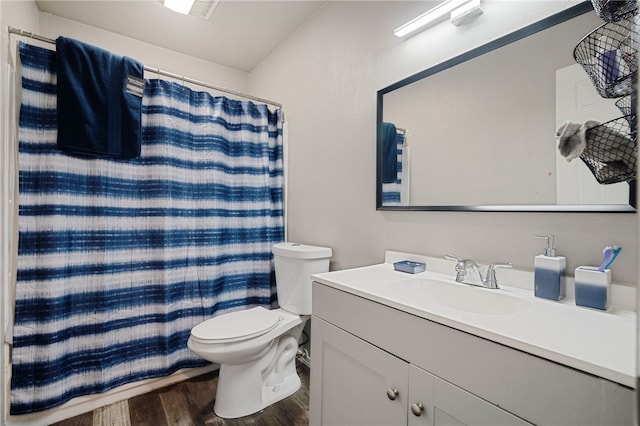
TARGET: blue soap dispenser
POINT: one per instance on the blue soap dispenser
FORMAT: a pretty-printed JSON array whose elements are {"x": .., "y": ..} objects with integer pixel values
[{"x": 549, "y": 272}]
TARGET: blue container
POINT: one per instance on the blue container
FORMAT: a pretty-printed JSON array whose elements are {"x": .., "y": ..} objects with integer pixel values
[
  {"x": 549, "y": 277},
  {"x": 593, "y": 287}
]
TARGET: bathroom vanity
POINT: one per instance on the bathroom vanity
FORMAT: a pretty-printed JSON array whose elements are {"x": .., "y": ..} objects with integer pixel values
[{"x": 391, "y": 348}]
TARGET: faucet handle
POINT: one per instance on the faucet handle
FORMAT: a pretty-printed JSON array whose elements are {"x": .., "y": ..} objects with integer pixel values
[
  {"x": 492, "y": 281},
  {"x": 459, "y": 268},
  {"x": 450, "y": 257},
  {"x": 507, "y": 265},
  {"x": 462, "y": 263}
]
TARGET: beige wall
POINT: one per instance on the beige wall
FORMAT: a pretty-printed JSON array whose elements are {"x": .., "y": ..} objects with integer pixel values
[
  {"x": 327, "y": 75},
  {"x": 153, "y": 56}
]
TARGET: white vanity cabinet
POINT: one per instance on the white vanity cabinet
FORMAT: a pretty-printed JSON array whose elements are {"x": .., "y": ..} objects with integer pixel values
[
  {"x": 364, "y": 385},
  {"x": 363, "y": 351}
]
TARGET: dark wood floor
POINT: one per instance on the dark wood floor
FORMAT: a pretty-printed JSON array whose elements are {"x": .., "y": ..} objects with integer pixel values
[{"x": 190, "y": 403}]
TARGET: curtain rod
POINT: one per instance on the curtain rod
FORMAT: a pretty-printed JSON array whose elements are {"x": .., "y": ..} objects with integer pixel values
[{"x": 159, "y": 71}]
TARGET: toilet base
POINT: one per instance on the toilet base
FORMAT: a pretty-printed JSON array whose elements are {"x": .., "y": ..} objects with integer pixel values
[{"x": 248, "y": 388}]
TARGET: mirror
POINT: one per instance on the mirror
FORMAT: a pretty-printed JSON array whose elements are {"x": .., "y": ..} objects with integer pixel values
[{"x": 477, "y": 132}]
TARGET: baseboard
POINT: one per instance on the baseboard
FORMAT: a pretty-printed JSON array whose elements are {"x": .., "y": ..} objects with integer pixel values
[{"x": 89, "y": 403}]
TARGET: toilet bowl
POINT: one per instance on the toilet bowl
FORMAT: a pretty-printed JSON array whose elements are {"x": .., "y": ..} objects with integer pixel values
[
  {"x": 257, "y": 367},
  {"x": 257, "y": 347}
]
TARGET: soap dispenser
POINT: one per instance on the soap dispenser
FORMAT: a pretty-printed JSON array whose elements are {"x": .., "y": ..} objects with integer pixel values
[{"x": 549, "y": 272}]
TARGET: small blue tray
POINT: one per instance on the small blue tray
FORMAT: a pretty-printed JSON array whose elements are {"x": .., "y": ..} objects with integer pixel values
[{"x": 410, "y": 266}]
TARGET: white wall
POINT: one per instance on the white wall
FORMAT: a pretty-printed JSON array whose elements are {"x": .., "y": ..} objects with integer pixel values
[{"x": 327, "y": 76}]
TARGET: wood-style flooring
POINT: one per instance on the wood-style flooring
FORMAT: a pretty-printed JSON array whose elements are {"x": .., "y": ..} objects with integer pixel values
[{"x": 190, "y": 403}]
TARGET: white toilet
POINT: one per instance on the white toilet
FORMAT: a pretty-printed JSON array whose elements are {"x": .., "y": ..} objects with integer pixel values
[{"x": 256, "y": 348}]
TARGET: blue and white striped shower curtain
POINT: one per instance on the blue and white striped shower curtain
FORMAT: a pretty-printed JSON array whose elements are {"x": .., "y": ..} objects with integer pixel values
[{"x": 118, "y": 260}]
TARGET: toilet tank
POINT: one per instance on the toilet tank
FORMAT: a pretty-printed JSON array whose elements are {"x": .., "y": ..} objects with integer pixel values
[{"x": 294, "y": 264}]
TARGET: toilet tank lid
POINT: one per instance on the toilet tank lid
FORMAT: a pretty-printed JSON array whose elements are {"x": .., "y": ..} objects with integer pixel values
[{"x": 301, "y": 251}]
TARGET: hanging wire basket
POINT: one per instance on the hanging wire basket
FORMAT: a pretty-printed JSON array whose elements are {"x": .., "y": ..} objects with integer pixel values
[
  {"x": 624, "y": 105},
  {"x": 614, "y": 10},
  {"x": 611, "y": 151},
  {"x": 609, "y": 56}
]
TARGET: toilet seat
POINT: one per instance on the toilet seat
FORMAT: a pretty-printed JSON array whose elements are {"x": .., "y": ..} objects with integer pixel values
[{"x": 236, "y": 326}]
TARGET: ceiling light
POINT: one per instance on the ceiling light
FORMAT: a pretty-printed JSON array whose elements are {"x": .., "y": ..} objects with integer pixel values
[
  {"x": 203, "y": 8},
  {"x": 429, "y": 18},
  {"x": 200, "y": 8},
  {"x": 180, "y": 6}
]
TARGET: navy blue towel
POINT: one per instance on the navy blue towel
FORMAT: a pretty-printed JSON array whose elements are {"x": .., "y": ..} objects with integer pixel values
[
  {"x": 99, "y": 101},
  {"x": 389, "y": 153}
]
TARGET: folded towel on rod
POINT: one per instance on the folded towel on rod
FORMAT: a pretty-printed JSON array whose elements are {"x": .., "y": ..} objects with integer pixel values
[
  {"x": 389, "y": 153},
  {"x": 99, "y": 101}
]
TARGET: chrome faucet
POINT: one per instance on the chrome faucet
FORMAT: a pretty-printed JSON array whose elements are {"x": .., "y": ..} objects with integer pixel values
[{"x": 463, "y": 266}]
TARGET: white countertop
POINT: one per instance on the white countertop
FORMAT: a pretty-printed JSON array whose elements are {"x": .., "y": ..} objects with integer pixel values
[{"x": 602, "y": 343}]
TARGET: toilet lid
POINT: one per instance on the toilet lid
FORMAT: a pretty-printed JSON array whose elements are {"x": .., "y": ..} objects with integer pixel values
[{"x": 235, "y": 326}]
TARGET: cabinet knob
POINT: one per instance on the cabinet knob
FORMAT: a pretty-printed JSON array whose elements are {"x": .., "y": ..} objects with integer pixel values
[
  {"x": 417, "y": 409},
  {"x": 392, "y": 393}
]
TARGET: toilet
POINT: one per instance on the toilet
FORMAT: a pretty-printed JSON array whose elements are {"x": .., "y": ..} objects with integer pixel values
[{"x": 256, "y": 348}]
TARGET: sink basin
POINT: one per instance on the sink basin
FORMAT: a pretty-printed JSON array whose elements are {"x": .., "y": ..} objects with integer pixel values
[{"x": 461, "y": 297}]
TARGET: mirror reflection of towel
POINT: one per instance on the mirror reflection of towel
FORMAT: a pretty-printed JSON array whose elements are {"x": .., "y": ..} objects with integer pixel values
[
  {"x": 611, "y": 155},
  {"x": 99, "y": 101},
  {"x": 572, "y": 138},
  {"x": 389, "y": 153}
]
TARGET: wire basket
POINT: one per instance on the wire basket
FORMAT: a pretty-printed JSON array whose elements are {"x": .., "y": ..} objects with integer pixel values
[
  {"x": 608, "y": 55},
  {"x": 624, "y": 105},
  {"x": 611, "y": 151},
  {"x": 614, "y": 10}
]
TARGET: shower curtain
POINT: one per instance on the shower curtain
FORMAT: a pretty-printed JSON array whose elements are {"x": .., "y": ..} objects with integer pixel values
[{"x": 119, "y": 259}]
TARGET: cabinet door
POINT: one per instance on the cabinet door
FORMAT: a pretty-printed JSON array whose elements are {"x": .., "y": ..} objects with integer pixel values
[
  {"x": 436, "y": 402},
  {"x": 351, "y": 380},
  {"x": 456, "y": 407},
  {"x": 421, "y": 397}
]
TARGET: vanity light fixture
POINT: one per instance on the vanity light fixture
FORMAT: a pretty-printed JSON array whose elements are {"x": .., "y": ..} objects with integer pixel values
[
  {"x": 429, "y": 18},
  {"x": 180, "y": 6},
  {"x": 466, "y": 13}
]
